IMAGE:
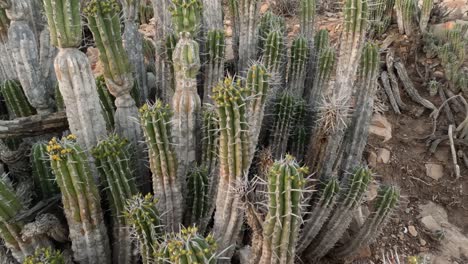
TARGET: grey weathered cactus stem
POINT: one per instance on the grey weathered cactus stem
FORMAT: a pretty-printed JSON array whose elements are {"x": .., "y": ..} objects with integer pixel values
[
  {"x": 10, "y": 231},
  {"x": 81, "y": 201},
  {"x": 167, "y": 186},
  {"x": 104, "y": 22},
  {"x": 133, "y": 43},
  {"x": 234, "y": 162},
  {"x": 8, "y": 71},
  {"x": 31, "y": 58},
  {"x": 76, "y": 80}
]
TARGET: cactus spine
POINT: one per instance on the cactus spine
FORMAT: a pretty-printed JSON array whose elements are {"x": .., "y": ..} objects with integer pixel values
[
  {"x": 44, "y": 179},
  {"x": 155, "y": 121},
  {"x": 188, "y": 247},
  {"x": 46, "y": 256},
  {"x": 141, "y": 213},
  {"x": 388, "y": 198},
  {"x": 76, "y": 81},
  {"x": 15, "y": 100},
  {"x": 10, "y": 231},
  {"x": 133, "y": 43},
  {"x": 28, "y": 58},
  {"x": 350, "y": 198},
  {"x": 280, "y": 230},
  {"x": 234, "y": 162},
  {"x": 104, "y": 23},
  {"x": 81, "y": 201},
  {"x": 114, "y": 165}
]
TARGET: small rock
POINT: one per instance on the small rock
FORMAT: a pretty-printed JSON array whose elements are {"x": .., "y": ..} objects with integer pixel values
[
  {"x": 412, "y": 231},
  {"x": 439, "y": 74},
  {"x": 435, "y": 171},
  {"x": 364, "y": 252},
  {"x": 422, "y": 242},
  {"x": 372, "y": 159},
  {"x": 381, "y": 127},
  {"x": 430, "y": 223},
  {"x": 228, "y": 31},
  {"x": 264, "y": 8},
  {"x": 383, "y": 156},
  {"x": 401, "y": 236}
]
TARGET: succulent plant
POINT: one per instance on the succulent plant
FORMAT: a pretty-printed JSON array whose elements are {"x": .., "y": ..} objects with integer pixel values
[
  {"x": 198, "y": 198},
  {"x": 44, "y": 179},
  {"x": 15, "y": 100},
  {"x": 45, "y": 256}
]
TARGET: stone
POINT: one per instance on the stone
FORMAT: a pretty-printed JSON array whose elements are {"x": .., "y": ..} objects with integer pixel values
[
  {"x": 412, "y": 231},
  {"x": 372, "y": 192},
  {"x": 383, "y": 156},
  {"x": 434, "y": 171},
  {"x": 430, "y": 223},
  {"x": 264, "y": 8},
  {"x": 372, "y": 159},
  {"x": 422, "y": 242},
  {"x": 364, "y": 252},
  {"x": 381, "y": 127}
]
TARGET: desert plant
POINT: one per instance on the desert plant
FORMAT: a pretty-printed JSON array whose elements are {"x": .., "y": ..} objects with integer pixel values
[
  {"x": 44, "y": 179},
  {"x": 426, "y": 10},
  {"x": 15, "y": 100},
  {"x": 406, "y": 13},
  {"x": 45, "y": 256}
]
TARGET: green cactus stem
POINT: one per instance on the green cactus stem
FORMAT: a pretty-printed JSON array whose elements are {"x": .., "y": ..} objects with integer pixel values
[
  {"x": 74, "y": 75},
  {"x": 32, "y": 54},
  {"x": 258, "y": 85},
  {"x": 81, "y": 201},
  {"x": 113, "y": 161},
  {"x": 59, "y": 103},
  {"x": 15, "y": 100},
  {"x": 186, "y": 15},
  {"x": 107, "y": 101},
  {"x": 234, "y": 162},
  {"x": 214, "y": 69},
  {"x": 356, "y": 138},
  {"x": 324, "y": 66},
  {"x": 387, "y": 201},
  {"x": 298, "y": 139},
  {"x": 45, "y": 256},
  {"x": 379, "y": 16},
  {"x": 406, "y": 13},
  {"x": 4, "y": 24},
  {"x": 198, "y": 199},
  {"x": 142, "y": 214},
  {"x": 167, "y": 186},
  {"x": 322, "y": 207},
  {"x": 308, "y": 9},
  {"x": 269, "y": 23},
  {"x": 44, "y": 179},
  {"x": 297, "y": 66},
  {"x": 283, "y": 124},
  {"x": 210, "y": 138},
  {"x": 349, "y": 199},
  {"x": 281, "y": 228},
  {"x": 10, "y": 231},
  {"x": 188, "y": 247},
  {"x": 273, "y": 53}
]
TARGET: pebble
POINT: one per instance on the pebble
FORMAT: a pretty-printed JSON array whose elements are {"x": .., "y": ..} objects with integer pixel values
[
  {"x": 412, "y": 231},
  {"x": 422, "y": 242},
  {"x": 435, "y": 171}
]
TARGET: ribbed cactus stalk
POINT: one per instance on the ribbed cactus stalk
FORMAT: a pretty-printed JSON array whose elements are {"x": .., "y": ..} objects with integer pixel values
[
  {"x": 298, "y": 139},
  {"x": 349, "y": 199},
  {"x": 10, "y": 231},
  {"x": 186, "y": 104},
  {"x": 16, "y": 102},
  {"x": 245, "y": 20},
  {"x": 142, "y": 214},
  {"x": 406, "y": 13},
  {"x": 274, "y": 52},
  {"x": 167, "y": 186},
  {"x": 269, "y": 23},
  {"x": 452, "y": 54},
  {"x": 281, "y": 228},
  {"x": 59, "y": 103},
  {"x": 356, "y": 138},
  {"x": 187, "y": 247},
  {"x": 198, "y": 199},
  {"x": 163, "y": 66},
  {"x": 298, "y": 58},
  {"x": 45, "y": 256},
  {"x": 113, "y": 161},
  {"x": 107, "y": 101},
  {"x": 379, "y": 16},
  {"x": 284, "y": 121},
  {"x": 234, "y": 162},
  {"x": 322, "y": 207},
  {"x": 387, "y": 201},
  {"x": 31, "y": 56},
  {"x": 308, "y": 9},
  {"x": 81, "y": 201},
  {"x": 186, "y": 15},
  {"x": 210, "y": 138},
  {"x": 257, "y": 84},
  {"x": 7, "y": 65},
  {"x": 104, "y": 22},
  {"x": 133, "y": 43},
  {"x": 214, "y": 69},
  {"x": 76, "y": 80},
  {"x": 44, "y": 179},
  {"x": 433, "y": 87},
  {"x": 324, "y": 66}
]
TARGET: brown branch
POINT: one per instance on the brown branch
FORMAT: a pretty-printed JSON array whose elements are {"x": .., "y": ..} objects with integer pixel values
[{"x": 33, "y": 125}]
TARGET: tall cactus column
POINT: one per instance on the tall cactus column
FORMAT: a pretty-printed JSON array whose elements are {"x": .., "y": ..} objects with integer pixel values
[
  {"x": 76, "y": 80},
  {"x": 24, "y": 48},
  {"x": 7, "y": 64},
  {"x": 104, "y": 21},
  {"x": 133, "y": 43},
  {"x": 186, "y": 103},
  {"x": 234, "y": 162}
]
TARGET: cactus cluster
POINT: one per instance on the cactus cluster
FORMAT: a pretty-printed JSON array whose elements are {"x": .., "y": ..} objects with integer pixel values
[
  {"x": 15, "y": 100},
  {"x": 46, "y": 256}
]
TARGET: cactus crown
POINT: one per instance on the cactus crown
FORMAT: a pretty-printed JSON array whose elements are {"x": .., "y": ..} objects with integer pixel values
[
  {"x": 45, "y": 256},
  {"x": 114, "y": 143},
  {"x": 101, "y": 7},
  {"x": 330, "y": 188},
  {"x": 186, "y": 15},
  {"x": 388, "y": 198},
  {"x": 370, "y": 59},
  {"x": 64, "y": 21},
  {"x": 357, "y": 186}
]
